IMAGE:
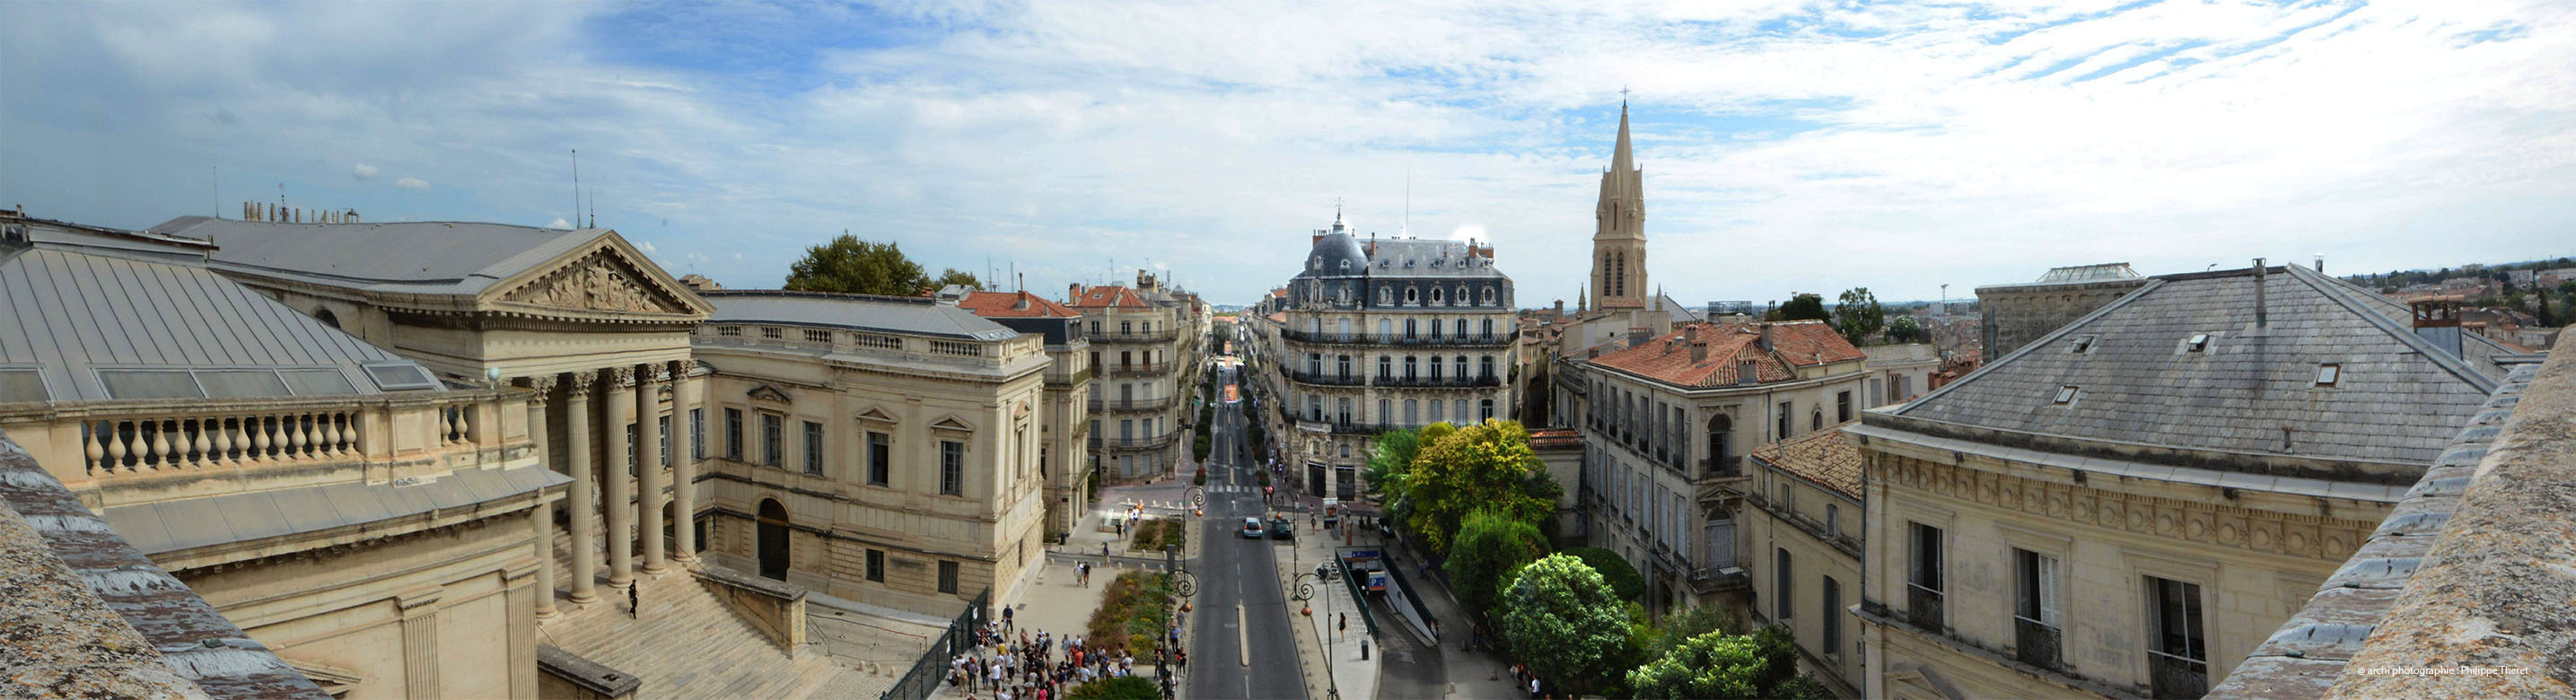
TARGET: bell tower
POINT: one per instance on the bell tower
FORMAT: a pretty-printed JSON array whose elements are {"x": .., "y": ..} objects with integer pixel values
[{"x": 1619, "y": 233}]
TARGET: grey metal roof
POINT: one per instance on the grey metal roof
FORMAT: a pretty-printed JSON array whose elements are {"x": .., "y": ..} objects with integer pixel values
[
  {"x": 170, "y": 526},
  {"x": 88, "y": 616},
  {"x": 424, "y": 257},
  {"x": 864, "y": 312},
  {"x": 75, "y": 309},
  {"x": 2088, "y": 273},
  {"x": 1388, "y": 256},
  {"x": 1335, "y": 255},
  {"x": 2397, "y": 400}
]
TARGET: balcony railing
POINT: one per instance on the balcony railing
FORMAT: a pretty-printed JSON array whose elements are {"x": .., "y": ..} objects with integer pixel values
[
  {"x": 1145, "y": 443},
  {"x": 1161, "y": 336},
  {"x": 1711, "y": 580},
  {"x": 1327, "y": 379},
  {"x": 1923, "y": 608},
  {"x": 1716, "y": 468},
  {"x": 1155, "y": 404},
  {"x": 1397, "y": 339},
  {"x": 2035, "y": 642},
  {"x": 144, "y": 451},
  {"x": 1422, "y": 381},
  {"x": 2177, "y": 676},
  {"x": 1138, "y": 369}
]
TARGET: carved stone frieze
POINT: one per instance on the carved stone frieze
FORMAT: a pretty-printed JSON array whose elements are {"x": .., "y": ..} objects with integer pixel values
[
  {"x": 2318, "y": 537},
  {"x": 596, "y": 283}
]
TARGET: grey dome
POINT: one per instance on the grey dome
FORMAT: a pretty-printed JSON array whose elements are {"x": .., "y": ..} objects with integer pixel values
[{"x": 1335, "y": 255}]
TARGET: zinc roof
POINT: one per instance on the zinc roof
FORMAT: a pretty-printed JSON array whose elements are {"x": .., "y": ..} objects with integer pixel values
[
  {"x": 913, "y": 315},
  {"x": 74, "y": 310},
  {"x": 422, "y": 257},
  {"x": 2135, "y": 379}
]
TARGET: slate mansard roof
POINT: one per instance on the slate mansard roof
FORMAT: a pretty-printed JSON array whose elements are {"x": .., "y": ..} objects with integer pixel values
[
  {"x": 863, "y": 312},
  {"x": 97, "y": 313},
  {"x": 2134, "y": 378}
]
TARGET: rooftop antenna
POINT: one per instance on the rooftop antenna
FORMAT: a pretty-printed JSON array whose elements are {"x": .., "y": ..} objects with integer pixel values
[
  {"x": 576, "y": 186},
  {"x": 218, "y": 188},
  {"x": 594, "y": 208}
]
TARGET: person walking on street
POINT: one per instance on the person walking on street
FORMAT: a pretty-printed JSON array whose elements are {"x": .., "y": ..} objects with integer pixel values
[
  {"x": 634, "y": 610},
  {"x": 1342, "y": 625}
]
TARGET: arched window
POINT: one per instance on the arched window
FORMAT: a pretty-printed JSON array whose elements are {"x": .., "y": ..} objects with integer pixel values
[
  {"x": 1412, "y": 295},
  {"x": 1315, "y": 263},
  {"x": 1619, "y": 275},
  {"x": 1435, "y": 295},
  {"x": 1386, "y": 295},
  {"x": 1460, "y": 296},
  {"x": 326, "y": 317},
  {"x": 1489, "y": 296},
  {"x": 772, "y": 538}
]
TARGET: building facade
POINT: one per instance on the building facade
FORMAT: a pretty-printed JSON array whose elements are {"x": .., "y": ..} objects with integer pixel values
[
  {"x": 2011, "y": 315},
  {"x": 879, "y": 449},
  {"x": 1064, "y": 456},
  {"x": 1381, "y": 334},
  {"x": 2128, "y": 505},
  {"x": 1666, "y": 423},
  {"x": 1801, "y": 514},
  {"x": 1143, "y": 358}
]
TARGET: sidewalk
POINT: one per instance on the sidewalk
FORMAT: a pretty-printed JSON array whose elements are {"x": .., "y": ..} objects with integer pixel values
[{"x": 1332, "y": 659}]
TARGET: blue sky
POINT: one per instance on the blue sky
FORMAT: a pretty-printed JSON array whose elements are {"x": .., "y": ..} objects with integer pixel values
[{"x": 1788, "y": 146}]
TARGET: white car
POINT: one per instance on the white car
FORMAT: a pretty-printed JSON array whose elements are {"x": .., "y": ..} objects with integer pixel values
[{"x": 1252, "y": 528}]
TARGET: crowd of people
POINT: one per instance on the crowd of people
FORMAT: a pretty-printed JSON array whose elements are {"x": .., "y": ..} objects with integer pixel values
[{"x": 1006, "y": 663}]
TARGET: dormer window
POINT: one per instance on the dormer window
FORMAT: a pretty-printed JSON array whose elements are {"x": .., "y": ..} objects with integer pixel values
[
  {"x": 1435, "y": 262},
  {"x": 2198, "y": 342},
  {"x": 2066, "y": 394},
  {"x": 2328, "y": 373},
  {"x": 1346, "y": 266},
  {"x": 1435, "y": 295},
  {"x": 1489, "y": 296},
  {"x": 2083, "y": 344},
  {"x": 1411, "y": 295},
  {"x": 1315, "y": 263},
  {"x": 1386, "y": 295}
]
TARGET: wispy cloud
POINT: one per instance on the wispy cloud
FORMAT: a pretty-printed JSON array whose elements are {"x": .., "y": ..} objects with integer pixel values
[{"x": 1787, "y": 145}]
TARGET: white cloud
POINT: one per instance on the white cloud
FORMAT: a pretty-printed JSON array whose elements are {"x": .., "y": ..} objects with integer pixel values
[
  {"x": 1892, "y": 146},
  {"x": 647, "y": 247},
  {"x": 560, "y": 223},
  {"x": 412, "y": 183},
  {"x": 363, "y": 171}
]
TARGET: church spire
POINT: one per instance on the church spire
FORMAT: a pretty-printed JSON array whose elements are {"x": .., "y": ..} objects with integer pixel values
[{"x": 1624, "y": 159}]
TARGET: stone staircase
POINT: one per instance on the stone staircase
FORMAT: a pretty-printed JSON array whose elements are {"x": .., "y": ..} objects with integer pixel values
[{"x": 689, "y": 643}]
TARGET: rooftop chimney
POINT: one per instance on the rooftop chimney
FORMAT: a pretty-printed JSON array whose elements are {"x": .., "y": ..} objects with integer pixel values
[
  {"x": 2262, "y": 314},
  {"x": 2437, "y": 321},
  {"x": 1745, "y": 373},
  {"x": 1637, "y": 336},
  {"x": 1690, "y": 336},
  {"x": 1766, "y": 337}
]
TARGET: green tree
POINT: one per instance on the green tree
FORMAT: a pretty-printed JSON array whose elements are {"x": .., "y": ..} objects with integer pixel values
[
  {"x": 1904, "y": 329},
  {"x": 1390, "y": 463},
  {"x": 853, "y": 266},
  {"x": 1490, "y": 546},
  {"x": 957, "y": 277},
  {"x": 1614, "y": 570},
  {"x": 1462, "y": 470},
  {"x": 1119, "y": 688},
  {"x": 1684, "y": 624},
  {"x": 1560, "y": 617},
  {"x": 1858, "y": 315},
  {"x": 1717, "y": 664},
  {"x": 1801, "y": 307}
]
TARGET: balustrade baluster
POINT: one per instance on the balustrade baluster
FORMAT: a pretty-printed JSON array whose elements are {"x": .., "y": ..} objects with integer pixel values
[
  {"x": 223, "y": 442},
  {"x": 258, "y": 428},
  {"x": 160, "y": 445},
  {"x": 331, "y": 433},
  {"x": 116, "y": 447},
  {"x": 90, "y": 445},
  {"x": 204, "y": 456},
  {"x": 298, "y": 433}
]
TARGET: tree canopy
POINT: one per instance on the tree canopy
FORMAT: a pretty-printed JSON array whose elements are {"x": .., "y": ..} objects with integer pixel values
[
  {"x": 1725, "y": 666},
  {"x": 1390, "y": 463},
  {"x": 1560, "y": 617},
  {"x": 1904, "y": 329},
  {"x": 957, "y": 277},
  {"x": 1460, "y": 470},
  {"x": 1801, "y": 307},
  {"x": 1858, "y": 315},
  {"x": 1490, "y": 546},
  {"x": 854, "y": 266},
  {"x": 1615, "y": 570}
]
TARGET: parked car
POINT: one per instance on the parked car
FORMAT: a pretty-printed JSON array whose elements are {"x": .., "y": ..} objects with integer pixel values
[
  {"x": 1252, "y": 528},
  {"x": 1281, "y": 529}
]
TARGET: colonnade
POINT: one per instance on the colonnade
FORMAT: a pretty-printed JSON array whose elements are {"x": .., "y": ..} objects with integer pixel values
[{"x": 606, "y": 402}]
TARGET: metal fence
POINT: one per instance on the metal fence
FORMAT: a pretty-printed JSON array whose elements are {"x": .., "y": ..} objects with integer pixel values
[{"x": 932, "y": 668}]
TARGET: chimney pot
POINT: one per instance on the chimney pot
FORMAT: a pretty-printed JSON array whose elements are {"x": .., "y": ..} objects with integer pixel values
[
  {"x": 2262, "y": 314},
  {"x": 1766, "y": 337}
]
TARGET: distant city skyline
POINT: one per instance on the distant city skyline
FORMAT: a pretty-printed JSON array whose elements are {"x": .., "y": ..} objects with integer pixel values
[{"x": 1786, "y": 148}]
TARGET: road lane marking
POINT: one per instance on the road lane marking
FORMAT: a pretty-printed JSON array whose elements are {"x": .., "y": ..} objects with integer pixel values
[{"x": 1243, "y": 634}]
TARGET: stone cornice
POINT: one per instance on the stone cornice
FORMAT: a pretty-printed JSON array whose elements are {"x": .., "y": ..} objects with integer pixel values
[{"x": 2251, "y": 530}]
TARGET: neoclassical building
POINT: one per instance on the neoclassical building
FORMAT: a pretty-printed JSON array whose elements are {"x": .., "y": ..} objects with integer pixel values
[
  {"x": 880, "y": 449},
  {"x": 1378, "y": 334},
  {"x": 2129, "y": 504},
  {"x": 380, "y": 527}
]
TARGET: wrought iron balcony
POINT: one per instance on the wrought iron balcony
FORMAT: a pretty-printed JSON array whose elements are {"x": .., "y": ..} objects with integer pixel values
[
  {"x": 1923, "y": 608},
  {"x": 2176, "y": 676},
  {"x": 1709, "y": 580},
  {"x": 2035, "y": 643},
  {"x": 1437, "y": 382},
  {"x": 1154, "y": 404},
  {"x": 1137, "y": 369},
  {"x": 1327, "y": 379}
]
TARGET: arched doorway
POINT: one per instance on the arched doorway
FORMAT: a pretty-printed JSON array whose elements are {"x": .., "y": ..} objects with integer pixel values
[{"x": 773, "y": 539}]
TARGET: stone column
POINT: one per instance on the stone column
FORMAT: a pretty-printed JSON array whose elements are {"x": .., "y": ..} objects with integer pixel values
[
  {"x": 583, "y": 504},
  {"x": 620, "y": 408},
  {"x": 686, "y": 393},
  {"x": 542, "y": 518},
  {"x": 648, "y": 461}
]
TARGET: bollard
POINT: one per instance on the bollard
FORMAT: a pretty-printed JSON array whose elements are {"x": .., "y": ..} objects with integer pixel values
[{"x": 1363, "y": 649}]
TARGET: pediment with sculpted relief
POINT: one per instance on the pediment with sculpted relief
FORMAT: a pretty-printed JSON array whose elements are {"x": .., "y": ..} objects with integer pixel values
[{"x": 599, "y": 281}]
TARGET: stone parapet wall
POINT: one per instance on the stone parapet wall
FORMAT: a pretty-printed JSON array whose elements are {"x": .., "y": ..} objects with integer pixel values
[{"x": 2010, "y": 316}]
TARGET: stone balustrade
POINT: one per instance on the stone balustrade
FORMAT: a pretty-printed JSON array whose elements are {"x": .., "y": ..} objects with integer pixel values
[{"x": 125, "y": 452}]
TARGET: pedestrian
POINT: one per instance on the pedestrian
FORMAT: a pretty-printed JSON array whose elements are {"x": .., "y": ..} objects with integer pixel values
[
  {"x": 1181, "y": 658},
  {"x": 1342, "y": 625},
  {"x": 634, "y": 610},
  {"x": 1006, "y": 618}
]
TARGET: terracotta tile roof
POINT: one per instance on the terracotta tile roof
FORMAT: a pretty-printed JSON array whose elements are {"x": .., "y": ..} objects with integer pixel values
[
  {"x": 1014, "y": 305},
  {"x": 1822, "y": 457},
  {"x": 1795, "y": 344},
  {"x": 1106, "y": 297}
]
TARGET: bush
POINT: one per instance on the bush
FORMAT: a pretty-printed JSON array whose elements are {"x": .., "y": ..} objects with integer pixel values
[
  {"x": 1199, "y": 448},
  {"x": 1131, "y": 614},
  {"x": 1200, "y": 478},
  {"x": 1151, "y": 535},
  {"x": 1615, "y": 570},
  {"x": 1120, "y": 688}
]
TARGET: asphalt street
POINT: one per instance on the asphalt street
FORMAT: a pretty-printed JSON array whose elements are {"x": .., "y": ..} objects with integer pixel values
[{"x": 1239, "y": 605}]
